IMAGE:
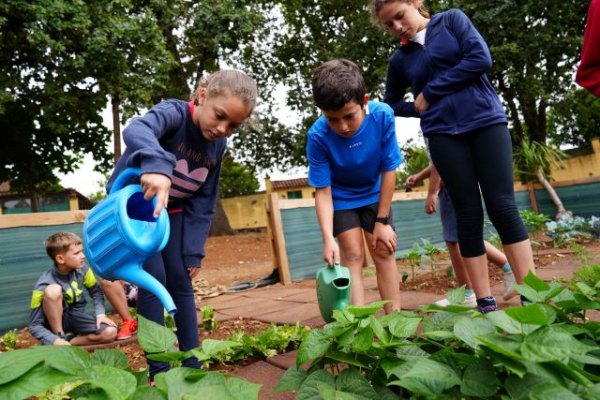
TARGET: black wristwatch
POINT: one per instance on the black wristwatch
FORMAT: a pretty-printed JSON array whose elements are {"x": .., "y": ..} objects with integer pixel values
[{"x": 383, "y": 220}]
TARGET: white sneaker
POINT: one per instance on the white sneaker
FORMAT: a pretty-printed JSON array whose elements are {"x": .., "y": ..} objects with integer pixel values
[
  {"x": 470, "y": 301},
  {"x": 509, "y": 284}
]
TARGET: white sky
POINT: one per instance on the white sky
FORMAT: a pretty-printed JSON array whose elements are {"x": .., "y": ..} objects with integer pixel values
[{"x": 87, "y": 181}]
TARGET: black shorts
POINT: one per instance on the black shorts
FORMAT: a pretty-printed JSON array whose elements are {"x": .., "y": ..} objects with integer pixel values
[
  {"x": 79, "y": 322},
  {"x": 361, "y": 217}
]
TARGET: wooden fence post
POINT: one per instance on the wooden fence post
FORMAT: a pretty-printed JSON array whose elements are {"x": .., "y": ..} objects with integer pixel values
[
  {"x": 532, "y": 198},
  {"x": 277, "y": 239}
]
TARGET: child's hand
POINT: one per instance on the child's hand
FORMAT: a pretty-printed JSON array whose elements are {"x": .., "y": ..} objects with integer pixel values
[
  {"x": 104, "y": 319},
  {"x": 421, "y": 104},
  {"x": 331, "y": 252},
  {"x": 386, "y": 235},
  {"x": 193, "y": 272},
  {"x": 60, "y": 342},
  {"x": 412, "y": 181},
  {"x": 156, "y": 185},
  {"x": 431, "y": 204}
]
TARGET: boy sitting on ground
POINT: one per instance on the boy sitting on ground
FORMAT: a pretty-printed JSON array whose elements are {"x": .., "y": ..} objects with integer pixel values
[{"x": 58, "y": 313}]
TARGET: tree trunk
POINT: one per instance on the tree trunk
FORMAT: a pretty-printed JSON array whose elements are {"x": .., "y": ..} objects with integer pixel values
[
  {"x": 34, "y": 200},
  {"x": 551, "y": 193},
  {"x": 220, "y": 224},
  {"x": 115, "y": 103}
]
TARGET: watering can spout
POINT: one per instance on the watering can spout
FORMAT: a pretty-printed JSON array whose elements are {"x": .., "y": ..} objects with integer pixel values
[{"x": 136, "y": 275}]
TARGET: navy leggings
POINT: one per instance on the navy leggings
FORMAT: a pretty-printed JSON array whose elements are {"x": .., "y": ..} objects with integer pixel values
[
  {"x": 168, "y": 267},
  {"x": 468, "y": 162}
]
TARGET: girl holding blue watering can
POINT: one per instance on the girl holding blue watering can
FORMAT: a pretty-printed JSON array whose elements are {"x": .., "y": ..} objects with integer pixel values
[{"x": 179, "y": 147}]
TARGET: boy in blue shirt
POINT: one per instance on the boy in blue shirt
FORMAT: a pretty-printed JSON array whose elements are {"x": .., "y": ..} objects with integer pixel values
[{"x": 352, "y": 155}]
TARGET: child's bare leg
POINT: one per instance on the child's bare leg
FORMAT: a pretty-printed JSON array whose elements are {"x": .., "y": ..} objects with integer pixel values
[
  {"x": 352, "y": 255},
  {"x": 460, "y": 270},
  {"x": 115, "y": 293},
  {"x": 53, "y": 307},
  {"x": 520, "y": 257},
  {"x": 388, "y": 279},
  {"x": 107, "y": 335},
  {"x": 494, "y": 255},
  {"x": 478, "y": 272}
]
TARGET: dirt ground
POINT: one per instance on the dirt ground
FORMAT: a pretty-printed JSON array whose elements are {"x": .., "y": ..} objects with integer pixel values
[{"x": 246, "y": 257}]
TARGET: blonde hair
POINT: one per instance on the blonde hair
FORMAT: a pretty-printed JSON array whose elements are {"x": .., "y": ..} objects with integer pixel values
[
  {"x": 377, "y": 5},
  {"x": 60, "y": 242},
  {"x": 228, "y": 82}
]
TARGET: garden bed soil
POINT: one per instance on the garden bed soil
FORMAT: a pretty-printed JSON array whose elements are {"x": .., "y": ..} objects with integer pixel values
[{"x": 246, "y": 257}]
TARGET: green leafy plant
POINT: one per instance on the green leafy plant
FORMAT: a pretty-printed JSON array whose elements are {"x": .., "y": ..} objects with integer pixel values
[
  {"x": 209, "y": 318},
  {"x": 533, "y": 221},
  {"x": 414, "y": 257},
  {"x": 9, "y": 340},
  {"x": 432, "y": 252},
  {"x": 107, "y": 375},
  {"x": 568, "y": 229},
  {"x": 545, "y": 349}
]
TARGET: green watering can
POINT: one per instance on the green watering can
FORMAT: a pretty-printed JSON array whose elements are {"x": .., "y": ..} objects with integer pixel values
[{"x": 333, "y": 290}]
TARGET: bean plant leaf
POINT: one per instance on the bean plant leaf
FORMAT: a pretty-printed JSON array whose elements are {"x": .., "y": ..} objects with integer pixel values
[
  {"x": 479, "y": 379},
  {"x": 310, "y": 388},
  {"x": 365, "y": 311},
  {"x": 439, "y": 335},
  {"x": 112, "y": 357},
  {"x": 428, "y": 378},
  {"x": 37, "y": 380},
  {"x": 536, "y": 314},
  {"x": 352, "y": 381},
  {"x": 170, "y": 356},
  {"x": 519, "y": 388},
  {"x": 403, "y": 327},
  {"x": 116, "y": 383},
  {"x": 154, "y": 338},
  {"x": 345, "y": 358},
  {"x": 467, "y": 330},
  {"x": 213, "y": 347},
  {"x": 14, "y": 364},
  {"x": 456, "y": 296},
  {"x": 313, "y": 346},
  {"x": 148, "y": 393},
  {"x": 379, "y": 330},
  {"x": 501, "y": 320},
  {"x": 506, "y": 345},
  {"x": 71, "y": 360},
  {"x": 552, "y": 344},
  {"x": 529, "y": 293},
  {"x": 363, "y": 341},
  {"x": 536, "y": 283},
  {"x": 292, "y": 379}
]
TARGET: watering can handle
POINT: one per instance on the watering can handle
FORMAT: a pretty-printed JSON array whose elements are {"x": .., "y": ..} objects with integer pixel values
[
  {"x": 124, "y": 177},
  {"x": 337, "y": 267}
]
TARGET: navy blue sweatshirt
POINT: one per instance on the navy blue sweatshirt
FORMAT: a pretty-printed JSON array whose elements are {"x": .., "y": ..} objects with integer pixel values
[
  {"x": 450, "y": 72},
  {"x": 166, "y": 141}
]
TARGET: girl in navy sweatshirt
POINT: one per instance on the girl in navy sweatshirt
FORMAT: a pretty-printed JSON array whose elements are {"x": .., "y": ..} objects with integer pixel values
[
  {"x": 179, "y": 146},
  {"x": 443, "y": 59}
]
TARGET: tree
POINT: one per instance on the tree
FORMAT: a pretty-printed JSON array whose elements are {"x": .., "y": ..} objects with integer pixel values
[
  {"x": 575, "y": 120},
  {"x": 535, "y": 50},
  {"x": 50, "y": 111},
  {"x": 533, "y": 161},
  {"x": 236, "y": 179}
]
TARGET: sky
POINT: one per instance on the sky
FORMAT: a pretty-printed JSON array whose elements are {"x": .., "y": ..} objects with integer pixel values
[{"x": 87, "y": 181}]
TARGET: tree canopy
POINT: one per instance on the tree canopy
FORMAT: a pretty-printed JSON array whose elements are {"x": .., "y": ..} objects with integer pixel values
[{"x": 63, "y": 61}]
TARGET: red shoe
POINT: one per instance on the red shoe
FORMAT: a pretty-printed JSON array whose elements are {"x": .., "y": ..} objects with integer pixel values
[{"x": 128, "y": 328}]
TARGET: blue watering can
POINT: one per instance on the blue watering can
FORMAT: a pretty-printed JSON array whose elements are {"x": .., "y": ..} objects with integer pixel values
[
  {"x": 120, "y": 234},
  {"x": 333, "y": 290}
]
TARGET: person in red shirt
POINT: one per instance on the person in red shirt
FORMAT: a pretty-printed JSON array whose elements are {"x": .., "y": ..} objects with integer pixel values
[{"x": 588, "y": 73}]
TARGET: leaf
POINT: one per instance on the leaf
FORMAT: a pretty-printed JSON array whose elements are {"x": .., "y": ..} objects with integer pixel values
[
  {"x": 312, "y": 347},
  {"x": 519, "y": 387},
  {"x": 213, "y": 347},
  {"x": 363, "y": 341},
  {"x": 535, "y": 314},
  {"x": 111, "y": 357},
  {"x": 116, "y": 383},
  {"x": 154, "y": 338},
  {"x": 71, "y": 360},
  {"x": 14, "y": 364},
  {"x": 535, "y": 283},
  {"x": 310, "y": 390},
  {"x": 456, "y": 296},
  {"x": 37, "y": 380},
  {"x": 428, "y": 378},
  {"x": 553, "y": 344},
  {"x": 345, "y": 358},
  {"x": 403, "y": 327},
  {"x": 364, "y": 311},
  {"x": 379, "y": 330},
  {"x": 291, "y": 380},
  {"x": 148, "y": 393},
  {"x": 501, "y": 320},
  {"x": 479, "y": 379},
  {"x": 170, "y": 356},
  {"x": 467, "y": 330},
  {"x": 439, "y": 335},
  {"x": 352, "y": 382}
]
